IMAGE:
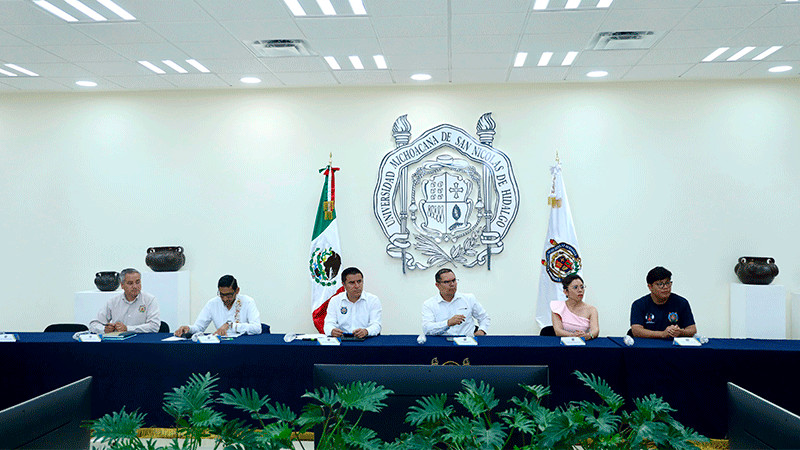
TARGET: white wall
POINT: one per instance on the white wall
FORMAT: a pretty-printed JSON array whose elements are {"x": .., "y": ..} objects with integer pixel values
[{"x": 689, "y": 175}]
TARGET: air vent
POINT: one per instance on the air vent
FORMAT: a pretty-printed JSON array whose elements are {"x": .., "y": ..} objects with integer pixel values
[
  {"x": 276, "y": 48},
  {"x": 623, "y": 40}
]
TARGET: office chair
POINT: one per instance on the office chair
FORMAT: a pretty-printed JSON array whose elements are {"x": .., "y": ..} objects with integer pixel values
[
  {"x": 66, "y": 327},
  {"x": 164, "y": 328},
  {"x": 547, "y": 331}
]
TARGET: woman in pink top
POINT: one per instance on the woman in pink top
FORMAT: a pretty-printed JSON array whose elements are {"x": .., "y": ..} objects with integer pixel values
[{"x": 574, "y": 317}]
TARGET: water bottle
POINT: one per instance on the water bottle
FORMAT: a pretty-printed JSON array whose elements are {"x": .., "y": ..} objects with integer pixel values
[
  {"x": 421, "y": 339},
  {"x": 628, "y": 340},
  {"x": 289, "y": 337}
]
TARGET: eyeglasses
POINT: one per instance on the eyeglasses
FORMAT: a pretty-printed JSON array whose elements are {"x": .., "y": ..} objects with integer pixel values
[
  {"x": 663, "y": 284},
  {"x": 228, "y": 295},
  {"x": 453, "y": 281}
]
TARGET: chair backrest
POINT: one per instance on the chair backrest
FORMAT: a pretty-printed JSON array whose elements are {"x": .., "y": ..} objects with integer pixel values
[
  {"x": 66, "y": 327},
  {"x": 630, "y": 332},
  {"x": 164, "y": 328},
  {"x": 264, "y": 328},
  {"x": 547, "y": 331}
]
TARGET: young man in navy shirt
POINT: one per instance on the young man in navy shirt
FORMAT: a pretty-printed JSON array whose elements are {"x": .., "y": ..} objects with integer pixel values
[{"x": 661, "y": 314}]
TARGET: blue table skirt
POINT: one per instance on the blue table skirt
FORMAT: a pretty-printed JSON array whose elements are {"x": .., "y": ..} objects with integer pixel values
[{"x": 138, "y": 371}]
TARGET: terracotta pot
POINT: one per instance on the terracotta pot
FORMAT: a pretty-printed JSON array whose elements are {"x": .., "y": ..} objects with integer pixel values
[
  {"x": 107, "y": 281},
  {"x": 165, "y": 259},
  {"x": 756, "y": 270}
]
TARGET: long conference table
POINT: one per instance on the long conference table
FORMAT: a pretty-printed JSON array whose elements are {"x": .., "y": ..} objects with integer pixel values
[{"x": 136, "y": 373}]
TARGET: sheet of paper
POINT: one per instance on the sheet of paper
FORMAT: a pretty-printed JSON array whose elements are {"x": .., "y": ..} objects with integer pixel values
[
  {"x": 327, "y": 340},
  {"x": 465, "y": 340},
  {"x": 174, "y": 338},
  {"x": 309, "y": 337},
  {"x": 686, "y": 342},
  {"x": 572, "y": 340},
  {"x": 8, "y": 337}
]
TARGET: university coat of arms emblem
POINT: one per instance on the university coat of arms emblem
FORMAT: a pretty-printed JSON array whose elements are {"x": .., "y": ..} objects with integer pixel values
[{"x": 445, "y": 197}]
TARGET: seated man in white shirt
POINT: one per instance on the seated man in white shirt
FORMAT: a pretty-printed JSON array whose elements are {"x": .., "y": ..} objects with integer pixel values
[
  {"x": 451, "y": 313},
  {"x": 132, "y": 310},
  {"x": 353, "y": 311},
  {"x": 233, "y": 314}
]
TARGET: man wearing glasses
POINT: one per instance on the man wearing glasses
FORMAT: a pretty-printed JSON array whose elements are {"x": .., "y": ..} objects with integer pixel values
[
  {"x": 661, "y": 314},
  {"x": 451, "y": 313},
  {"x": 233, "y": 314}
]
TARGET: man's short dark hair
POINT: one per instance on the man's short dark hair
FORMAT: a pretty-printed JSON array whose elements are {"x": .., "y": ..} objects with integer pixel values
[
  {"x": 442, "y": 272},
  {"x": 567, "y": 280},
  {"x": 658, "y": 273},
  {"x": 228, "y": 281},
  {"x": 127, "y": 271},
  {"x": 350, "y": 271}
]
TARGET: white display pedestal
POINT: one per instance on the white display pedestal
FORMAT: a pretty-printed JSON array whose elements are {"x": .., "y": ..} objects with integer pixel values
[
  {"x": 795, "y": 302},
  {"x": 758, "y": 311},
  {"x": 172, "y": 290}
]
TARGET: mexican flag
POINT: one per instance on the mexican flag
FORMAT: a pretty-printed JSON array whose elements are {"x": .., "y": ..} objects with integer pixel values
[
  {"x": 326, "y": 252},
  {"x": 560, "y": 256}
]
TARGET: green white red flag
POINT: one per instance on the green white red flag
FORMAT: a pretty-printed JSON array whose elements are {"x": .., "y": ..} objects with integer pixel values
[{"x": 325, "y": 260}]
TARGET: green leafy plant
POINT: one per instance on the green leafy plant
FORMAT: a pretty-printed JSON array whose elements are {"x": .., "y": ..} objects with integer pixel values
[{"x": 474, "y": 419}]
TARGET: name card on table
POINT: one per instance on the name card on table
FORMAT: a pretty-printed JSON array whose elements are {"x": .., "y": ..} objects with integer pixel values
[
  {"x": 686, "y": 342},
  {"x": 465, "y": 340},
  {"x": 206, "y": 339},
  {"x": 328, "y": 340},
  {"x": 7, "y": 337},
  {"x": 89, "y": 337},
  {"x": 572, "y": 340}
]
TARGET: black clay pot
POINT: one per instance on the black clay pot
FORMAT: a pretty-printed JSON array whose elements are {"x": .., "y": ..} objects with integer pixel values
[
  {"x": 107, "y": 281},
  {"x": 756, "y": 270},
  {"x": 165, "y": 259}
]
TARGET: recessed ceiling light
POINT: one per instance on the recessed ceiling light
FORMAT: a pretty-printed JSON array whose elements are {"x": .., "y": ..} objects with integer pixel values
[
  {"x": 544, "y": 59},
  {"x": 380, "y": 61},
  {"x": 421, "y": 77},
  {"x": 152, "y": 67},
  {"x": 540, "y": 4},
  {"x": 22, "y": 70},
  {"x": 198, "y": 66},
  {"x": 174, "y": 66},
  {"x": 356, "y": 62},
  {"x": 116, "y": 9},
  {"x": 519, "y": 61},
  {"x": 94, "y": 15},
  {"x": 597, "y": 74},
  {"x": 295, "y": 8},
  {"x": 326, "y": 7},
  {"x": 5, "y": 72},
  {"x": 779, "y": 69},
  {"x": 86, "y": 83},
  {"x": 713, "y": 55},
  {"x": 358, "y": 7},
  {"x": 767, "y": 52},
  {"x": 569, "y": 59},
  {"x": 572, "y": 4},
  {"x": 53, "y": 10},
  {"x": 250, "y": 80},
  {"x": 332, "y": 63},
  {"x": 736, "y": 56}
]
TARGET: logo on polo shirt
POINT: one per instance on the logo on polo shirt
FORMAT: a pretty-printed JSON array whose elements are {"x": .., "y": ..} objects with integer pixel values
[
  {"x": 650, "y": 318},
  {"x": 142, "y": 308},
  {"x": 343, "y": 310},
  {"x": 673, "y": 317}
]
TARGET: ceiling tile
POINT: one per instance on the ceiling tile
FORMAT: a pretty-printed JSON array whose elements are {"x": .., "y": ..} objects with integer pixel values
[
  {"x": 593, "y": 58},
  {"x": 296, "y": 64},
  {"x": 335, "y": 27},
  {"x": 150, "y": 52},
  {"x": 235, "y": 66},
  {"x": 84, "y": 53},
  {"x": 437, "y": 77},
  {"x": 696, "y": 38},
  {"x": 410, "y": 26},
  {"x": 761, "y": 70},
  {"x": 365, "y": 47},
  {"x": 723, "y": 70},
  {"x": 245, "y": 9},
  {"x": 561, "y": 21},
  {"x": 24, "y": 12},
  {"x": 665, "y": 56},
  {"x": 537, "y": 43},
  {"x": 154, "y": 82},
  {"x": 228, "y": 49},
  {"x": 166, "y": 11},
  {"x": 785, "y": 15},
  {"x": 766, "y": 36},
  {"x": 196, "y": 80},
  {"x": 19, "y": 55},
  {"x": 480, "y": 76},
  {"x": 487, "y": 24},
  {"x": 654, "y": 4},
  {"x": 482, "y": 61},
  {"x": 417, "y": 62},
  {"x": 255, "y": 30},
  {"x": 484, "y": 7},
  {"x": 120, "y": 33},
  {"x": 656, "y": 72},
  {"x": 364, "y": 77},
  {"x": 234, "y": 80},
  {"x": 382, "y": 8},
  {"x": 34, "y": 84},
  {"x": 727, "y": 17},
  {"x": 190, "y": 31},
  {"x": 10, "y": 40},
  {"x": 415, "y": 45},
  {"x": 307, "y": 79},
  {"x": 51, "y": 35},
  {"x": 109, "y": 69},
  {"x": 501, "y": 43},
  {"x": 635, "y": 20},
  {"x": 579, "y": 74},
  {"x": 537, "y": 74},
  {"x": 58, "y": 70}
]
